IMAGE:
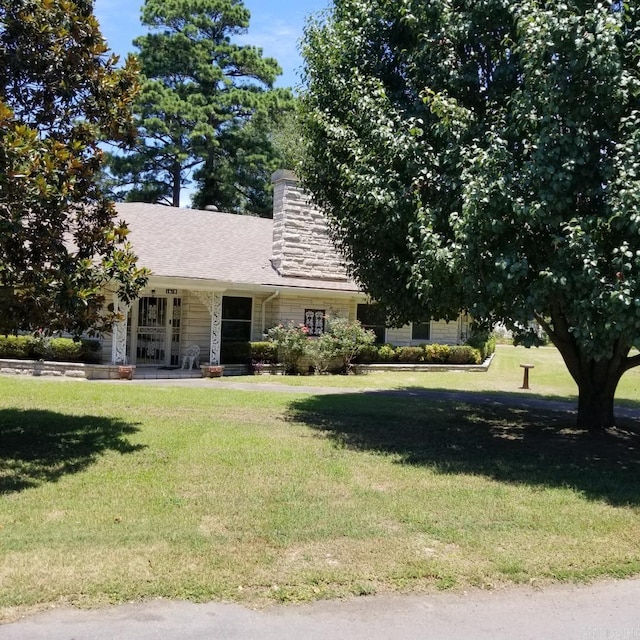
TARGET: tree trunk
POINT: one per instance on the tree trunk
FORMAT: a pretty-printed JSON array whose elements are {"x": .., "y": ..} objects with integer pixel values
[
  {"x": 595, "y": 409},
  {"x": 176, "y": 186},
  {"x": 597, "y": 380}
]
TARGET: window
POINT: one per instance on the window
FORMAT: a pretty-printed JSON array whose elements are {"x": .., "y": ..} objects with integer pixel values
[
  {"x": 372, "y": 316},
  {"x": 421, "y": 331},
  {"x": 314, "y": 321},
  {"x": 236, "y": 319}
]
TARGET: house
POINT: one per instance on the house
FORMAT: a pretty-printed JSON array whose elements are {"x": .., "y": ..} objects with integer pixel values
[{"x": 220, "y": 279}]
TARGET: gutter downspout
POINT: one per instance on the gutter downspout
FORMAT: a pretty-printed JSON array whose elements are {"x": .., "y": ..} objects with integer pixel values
[{"x": 264, "y": 306}]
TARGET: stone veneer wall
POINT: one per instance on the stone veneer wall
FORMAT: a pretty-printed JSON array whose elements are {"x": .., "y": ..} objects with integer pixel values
[{"x": 301, "y": 243}]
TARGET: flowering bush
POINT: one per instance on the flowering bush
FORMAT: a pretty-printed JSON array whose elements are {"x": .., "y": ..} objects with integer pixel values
[
  {"x": 321, "y": 351},
  {"x": 342, "y": 340},
  {"x": 346, "y": 339},
  {"x": 291, "y": 341}
]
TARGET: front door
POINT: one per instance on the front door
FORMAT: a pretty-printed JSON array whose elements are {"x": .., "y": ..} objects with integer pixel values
[{"x": 155, "y": 339}]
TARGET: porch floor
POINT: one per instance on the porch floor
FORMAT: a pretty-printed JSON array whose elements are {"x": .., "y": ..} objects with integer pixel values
[
  {"x": 156, "y": 373},
  {"x": 147, "y": 372}
]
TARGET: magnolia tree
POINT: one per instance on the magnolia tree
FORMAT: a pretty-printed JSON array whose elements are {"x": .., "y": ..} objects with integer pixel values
[
  {"x": 62, "y": 95},
  {"x": 484, "y": 157}
]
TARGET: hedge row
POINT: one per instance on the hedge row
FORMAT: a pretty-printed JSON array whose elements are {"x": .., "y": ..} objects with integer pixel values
[
  {"x": 55, "y": 349},
  {"x": 423, "y": 354},
  {"x": 242, "y": 353}
]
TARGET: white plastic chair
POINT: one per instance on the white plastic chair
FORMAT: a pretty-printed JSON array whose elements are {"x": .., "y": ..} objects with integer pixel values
[{"x": 192, "y": 355}]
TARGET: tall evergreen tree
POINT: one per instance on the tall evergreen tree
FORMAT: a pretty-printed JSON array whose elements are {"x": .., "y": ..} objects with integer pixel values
[
  {"x": 236, "y": 175},
  {"x": 199, "y": 90}
]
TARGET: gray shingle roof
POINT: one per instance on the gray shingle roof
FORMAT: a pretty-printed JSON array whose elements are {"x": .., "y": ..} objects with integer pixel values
[{"x": 209, "y": 245}]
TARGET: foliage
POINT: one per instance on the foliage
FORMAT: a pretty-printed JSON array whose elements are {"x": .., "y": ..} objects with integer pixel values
[
  {"x": 387, "y": 353},
  {"x": 464, "y": 354},
  {"x": 264, "y": 351},
  {"x": 321, "y": 351},
  {"x": 286, "y": 138},
  {"x": 410, "y": 354},
  {"x": 61, "y": 97},
  {"x": 483, "y": 340},
  {"x": 484, "y": 157},
  {"x": 345, "y": 339},
  {"x": 437, "y": 352},
  {"x": 290, "y": 340},
  {"x": 236, "y": 174},
  {"x": 41, "y": 347},
  {"x": 204, "y": 106},
  {"x": 342, "y": 340},
  {"x": 368, "y": 354},
  {"x": 426, "y": 354}
]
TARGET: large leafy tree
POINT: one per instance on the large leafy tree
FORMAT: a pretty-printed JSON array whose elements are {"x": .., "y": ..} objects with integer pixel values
[
  {"x": 484, "y": 156},
  {"x": 60, "y": 97},
  {"x": 199, "y": 91}
]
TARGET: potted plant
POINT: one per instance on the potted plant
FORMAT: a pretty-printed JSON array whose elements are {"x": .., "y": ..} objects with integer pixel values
[
  {"x": 125, "y": 370},
  {"x": 256, "y": 367},
  {"x": 212, "y": 370}
]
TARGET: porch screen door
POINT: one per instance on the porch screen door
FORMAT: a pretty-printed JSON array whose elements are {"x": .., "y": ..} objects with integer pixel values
[
  {"x": 151, "y": 339},
  {"x": 155, "y": 338}
]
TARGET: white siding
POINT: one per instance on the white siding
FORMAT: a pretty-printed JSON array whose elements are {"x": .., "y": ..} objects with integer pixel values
[
  {"x": 442, "y": 332},
  {"x": 400, "y": 337},
  {"x": 288, "y": 307},
  {"x": 195, "y": 326}
]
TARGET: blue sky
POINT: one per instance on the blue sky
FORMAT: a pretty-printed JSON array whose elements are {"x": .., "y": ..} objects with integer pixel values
[{"x": 276, "y": 26}]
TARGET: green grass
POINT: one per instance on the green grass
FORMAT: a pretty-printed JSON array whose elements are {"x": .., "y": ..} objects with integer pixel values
[
  {"x": 117, "y": 492},
  {"x": 549, "y": 378}
]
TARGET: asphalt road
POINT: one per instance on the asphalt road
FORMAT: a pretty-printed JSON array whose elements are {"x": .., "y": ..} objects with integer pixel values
[{"x": 603, "y": 611}]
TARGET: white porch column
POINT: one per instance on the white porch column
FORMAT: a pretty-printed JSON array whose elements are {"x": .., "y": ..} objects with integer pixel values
[
  {"x": 119, "y": 347},
  {"x": 212, "y": 300}
]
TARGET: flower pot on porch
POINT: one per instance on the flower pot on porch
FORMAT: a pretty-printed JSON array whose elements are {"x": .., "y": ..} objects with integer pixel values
[
  {"x": 126, "y": 371},
  {"x": 212, "y": 371}
]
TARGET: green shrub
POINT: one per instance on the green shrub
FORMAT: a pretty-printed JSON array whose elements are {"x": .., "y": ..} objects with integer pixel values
[
  {"x": 437, "y": 353},
  {"x": 64, "y": 350},
  {"x": 368, "y": 354},
  {"x": 13, "y": 347},
  {"x": 482, "y": 340},
  {"x": 321, "y": 351},
  {"x": 290, "y": 340},
  {"x": 44, "y": 348},
  {"x": 345, "y": 339},
  {"x": 464, "y": 354},
  {"x": 90, "y": 351},
  {"x": 387, "y": 353},
  {"x": 264, "y": 352},
  {"x": 410, "y": 354},
  {"x": 38, "y": 347}
]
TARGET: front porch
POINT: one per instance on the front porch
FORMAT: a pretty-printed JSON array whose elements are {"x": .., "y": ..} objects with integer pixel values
[
  {"x": 80, "y": 371},
  {"x": 172, "y": 373}
]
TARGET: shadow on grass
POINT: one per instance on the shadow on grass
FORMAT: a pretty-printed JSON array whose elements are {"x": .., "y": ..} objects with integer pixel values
[
  {"x": 479, "y": 434},
  {"x": 42, "y": 446}
]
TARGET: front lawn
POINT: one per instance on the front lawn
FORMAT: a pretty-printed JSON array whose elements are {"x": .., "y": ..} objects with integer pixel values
[
  {"x": 549, "y": 378},
  {"x": 116, "y": 491}
]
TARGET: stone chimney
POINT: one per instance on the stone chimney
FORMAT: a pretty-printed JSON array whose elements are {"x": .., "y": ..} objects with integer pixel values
[{"x": 302, "y": 247}]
